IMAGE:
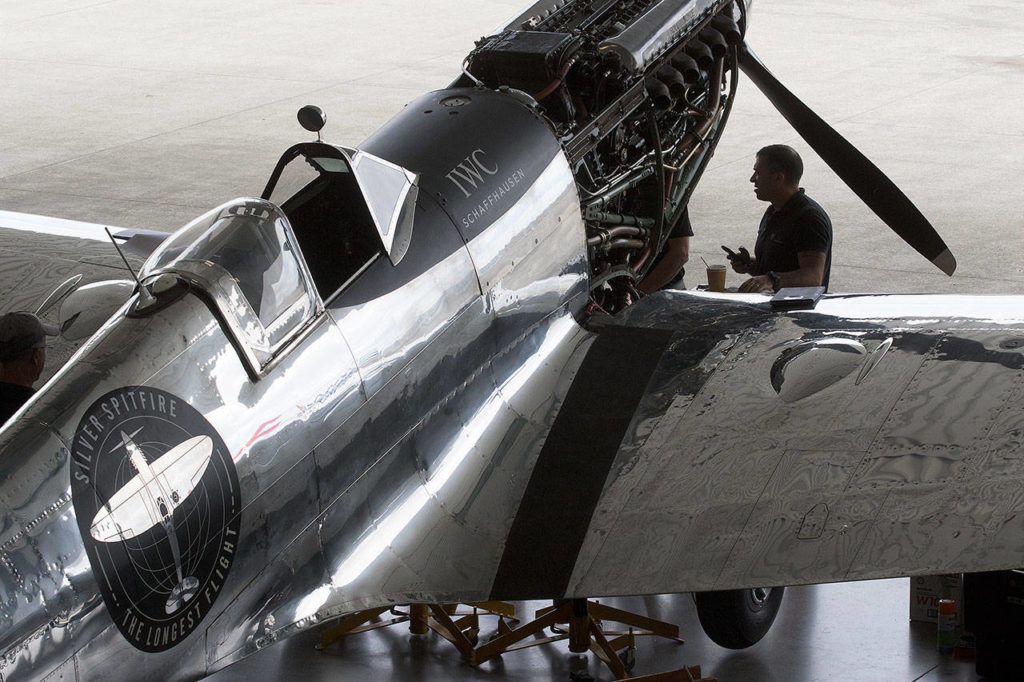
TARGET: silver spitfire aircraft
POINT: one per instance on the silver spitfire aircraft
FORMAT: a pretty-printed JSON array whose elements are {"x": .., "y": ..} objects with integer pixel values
[{"x": 418, "y": 371}]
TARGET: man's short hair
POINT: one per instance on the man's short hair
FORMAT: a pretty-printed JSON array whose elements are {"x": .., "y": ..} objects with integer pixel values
[
  {"x": 784, "y": 159},
  {"x": 20, "y": 333}
]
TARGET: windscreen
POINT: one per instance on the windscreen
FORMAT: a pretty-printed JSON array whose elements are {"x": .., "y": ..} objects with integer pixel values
[{"x": 242, "y": 253}]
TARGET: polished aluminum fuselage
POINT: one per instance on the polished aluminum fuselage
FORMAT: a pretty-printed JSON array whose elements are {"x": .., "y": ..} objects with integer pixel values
[{"x": 380, "y": 458}]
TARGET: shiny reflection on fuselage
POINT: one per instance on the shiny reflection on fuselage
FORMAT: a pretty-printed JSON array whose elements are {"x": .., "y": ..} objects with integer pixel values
[
  {"x": 397, "y": 520},
  {"x": 462, "y": 445}
]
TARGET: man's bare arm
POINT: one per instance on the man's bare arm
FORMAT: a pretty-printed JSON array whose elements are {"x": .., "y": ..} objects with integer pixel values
[
  {"x": 810, "y": 274},
  {"x": 677, "y": 253}
]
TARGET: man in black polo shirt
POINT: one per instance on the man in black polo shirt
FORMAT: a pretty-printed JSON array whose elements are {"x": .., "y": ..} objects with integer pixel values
[
  {"x": 22, "y": 357},
  {"x": 794, "y": 240}
]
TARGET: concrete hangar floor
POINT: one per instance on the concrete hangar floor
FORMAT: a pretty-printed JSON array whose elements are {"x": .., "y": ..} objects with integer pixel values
[{"x": 139, "y": 115}]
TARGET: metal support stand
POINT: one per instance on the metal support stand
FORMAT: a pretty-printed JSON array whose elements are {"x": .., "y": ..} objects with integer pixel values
[
  {"x": 461, "y": 628},
  {"x": 578, "y": 620}
]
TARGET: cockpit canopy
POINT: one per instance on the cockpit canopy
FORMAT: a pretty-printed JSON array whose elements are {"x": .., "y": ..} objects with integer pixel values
[
  {"x": 268, "y": 266},
  {"x": 243, "y": 255}
]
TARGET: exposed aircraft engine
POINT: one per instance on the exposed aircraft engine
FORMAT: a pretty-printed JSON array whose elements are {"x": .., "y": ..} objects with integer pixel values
[{"x": 638, "y": 109}]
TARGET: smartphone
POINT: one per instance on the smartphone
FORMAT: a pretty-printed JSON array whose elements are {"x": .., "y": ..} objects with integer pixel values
[{"x": 735, "y": 256}]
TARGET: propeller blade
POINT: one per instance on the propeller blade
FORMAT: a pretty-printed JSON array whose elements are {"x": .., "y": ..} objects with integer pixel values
[{"x": 877, "y": 191}]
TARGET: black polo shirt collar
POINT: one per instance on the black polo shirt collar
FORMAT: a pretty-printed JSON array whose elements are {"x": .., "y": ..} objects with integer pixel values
[{"x": 792, "y": 204}]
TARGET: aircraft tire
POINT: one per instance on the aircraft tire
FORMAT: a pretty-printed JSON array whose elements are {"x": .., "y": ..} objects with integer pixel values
[{"x": 737, "y": 619}]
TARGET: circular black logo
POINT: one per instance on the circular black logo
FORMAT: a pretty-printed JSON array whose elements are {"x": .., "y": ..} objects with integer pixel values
[{"x": 157, "y": 500}]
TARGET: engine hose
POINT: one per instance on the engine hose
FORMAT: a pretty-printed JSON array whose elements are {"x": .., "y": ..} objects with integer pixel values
[
  {"x": 659, "y": 172},
  {"x": 558, "y": 79},
  {"x": 692, "y": 108},
  {"x": 623, "y": 186},
  {"x": 476, "y": 81},
  {"x": 606, "y": 235},
  {"x": 625, "y": 244},
  {"x": 620, "y": 219}
]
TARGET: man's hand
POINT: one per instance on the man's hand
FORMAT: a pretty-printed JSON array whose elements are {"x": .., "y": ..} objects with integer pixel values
[
  {"x": 757, "y": 284},
  {"x": 741, "y": 262}
]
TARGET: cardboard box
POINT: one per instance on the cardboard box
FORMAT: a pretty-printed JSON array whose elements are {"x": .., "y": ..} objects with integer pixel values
[{"x": 926, "y": 591}]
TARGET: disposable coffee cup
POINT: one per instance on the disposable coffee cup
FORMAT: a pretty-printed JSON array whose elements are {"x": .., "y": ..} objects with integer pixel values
[{"x": 716, "y": 278}]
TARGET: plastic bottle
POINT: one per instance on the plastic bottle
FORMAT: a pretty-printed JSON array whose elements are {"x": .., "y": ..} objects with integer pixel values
[{"x": 947, "y": 626}]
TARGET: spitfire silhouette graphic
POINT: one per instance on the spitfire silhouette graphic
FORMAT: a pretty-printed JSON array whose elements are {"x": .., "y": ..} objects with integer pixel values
[
  {"x": 151, "y": 497},
  {"x": 158, "y": 502}
]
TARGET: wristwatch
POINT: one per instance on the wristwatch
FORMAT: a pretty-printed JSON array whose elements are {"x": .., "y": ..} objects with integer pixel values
[{"x": 775, "y": 279}]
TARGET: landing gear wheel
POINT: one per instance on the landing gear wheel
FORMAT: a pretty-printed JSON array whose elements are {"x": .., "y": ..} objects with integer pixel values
[{"x": 736, "y": 619}]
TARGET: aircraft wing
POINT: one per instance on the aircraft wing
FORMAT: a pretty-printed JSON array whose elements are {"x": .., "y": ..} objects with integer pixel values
[
  {"x": 39, "y": 253},
  {"x": 875, "y": 436}
]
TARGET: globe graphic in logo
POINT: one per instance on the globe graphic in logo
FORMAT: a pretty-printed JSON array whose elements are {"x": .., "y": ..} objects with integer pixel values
[{"x": 157, "y": 501}]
